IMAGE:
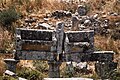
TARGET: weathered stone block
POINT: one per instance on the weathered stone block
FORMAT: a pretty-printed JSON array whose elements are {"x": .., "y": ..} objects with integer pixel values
[
  {"x": 11, "y": 64},
  {"x": 104, "y": 69},
  {"x": 79, "y": 41},
  {"x": 75, "y": 57},
  {"x": 34, "y": 34},
  {"x": 35, "y": 44},
  {"x": 34, "y": 55},
  {"x": 102, "y": 56}
]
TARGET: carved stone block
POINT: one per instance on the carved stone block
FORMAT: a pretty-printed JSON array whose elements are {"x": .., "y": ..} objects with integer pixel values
[
  {"x": 79, "y": 41},
  {"x": 35, "y": 44}
]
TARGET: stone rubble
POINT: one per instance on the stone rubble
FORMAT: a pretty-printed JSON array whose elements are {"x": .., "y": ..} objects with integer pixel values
[{"x": 101, "y": 23}]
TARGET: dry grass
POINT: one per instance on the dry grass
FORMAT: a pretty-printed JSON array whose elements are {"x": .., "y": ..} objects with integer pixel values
[
  {"x": 5, "y": 40},
  {"x": 26, "y": 63},
  {"x": 104, "y": 6},
  {"x": 104, "y": 43},
  {"x": 2, "y": 67},
  {"x": 35, "y": 6},
  {"x": 25, "y": 6}
]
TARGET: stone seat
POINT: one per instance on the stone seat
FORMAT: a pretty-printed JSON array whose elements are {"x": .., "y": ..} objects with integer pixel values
[
  {"x": 79, "y": 41},
  {"x": 35, "y": 44}
]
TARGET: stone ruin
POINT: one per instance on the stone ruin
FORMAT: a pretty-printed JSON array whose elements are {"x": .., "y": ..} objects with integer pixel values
[
  {"x": 101, "y": 23},
  {"x": 58, "y": 45}
]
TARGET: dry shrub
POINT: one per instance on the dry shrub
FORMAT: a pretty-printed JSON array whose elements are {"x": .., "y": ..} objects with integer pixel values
[
  {"x": 112, "y": 5},
  {"x": 26, "y": 6},
  {"x": 56, "y": 5},
  {"x": 5, "y": 40},
  {"x": 95, "y": 5},
  {"x": 1, "y": 37},
  {"x": 117, "y": 6}
]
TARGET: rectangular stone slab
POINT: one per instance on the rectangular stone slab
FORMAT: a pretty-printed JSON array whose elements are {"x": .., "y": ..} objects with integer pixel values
[
  {"x": 35, "y": 45},
  {"x": 80, "y": 36},
  {"x": 35, "y": 34},
  {"x": 77, "y": 57},
  {"x": 101, "y": 56},
  {"x": 33, "y": 55}
]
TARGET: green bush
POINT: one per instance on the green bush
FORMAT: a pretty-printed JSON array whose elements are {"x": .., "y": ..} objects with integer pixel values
[
  {"x": 41, "y": 66},
  {"x": 7, "y": 17},
  {"x": 30, "y": 74},
  {"x": 7, "y": 78}
]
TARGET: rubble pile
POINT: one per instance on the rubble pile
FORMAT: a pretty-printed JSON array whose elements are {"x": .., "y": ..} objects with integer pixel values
[{"x": 101, "y": 23}]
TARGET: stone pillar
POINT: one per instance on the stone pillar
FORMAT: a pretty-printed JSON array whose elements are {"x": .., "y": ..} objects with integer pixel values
[
  {"x": 75, "y": 23},
  {"x": 54, "y": 69},
  {"x": 11, "y": 64},
  {"x": 60, "y": 39}
]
